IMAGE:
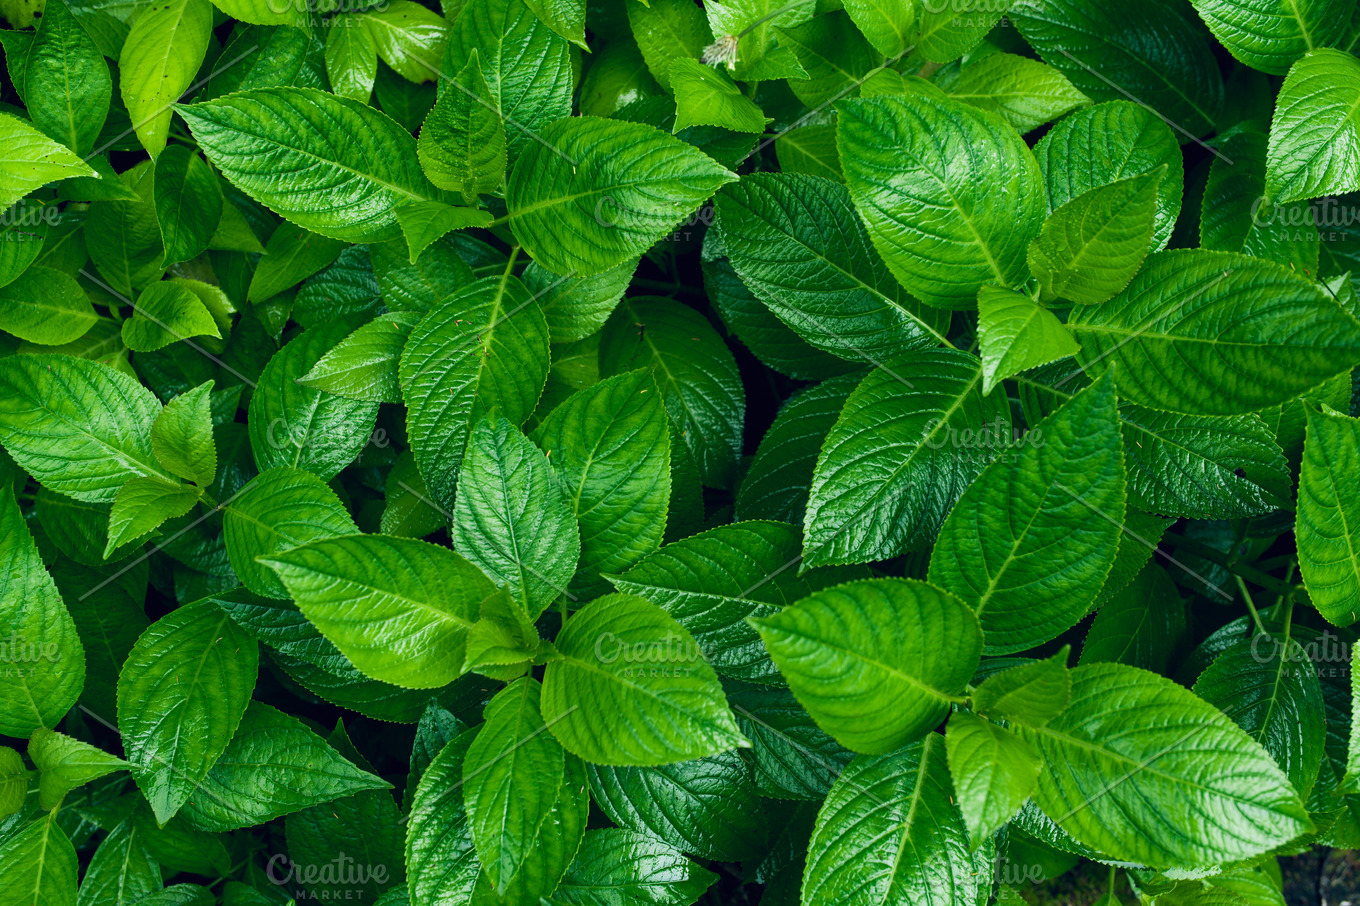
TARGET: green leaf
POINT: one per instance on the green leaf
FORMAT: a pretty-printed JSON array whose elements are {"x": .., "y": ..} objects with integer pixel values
[
  {"x": 45, "y": 306},
  {"x": 1090, "y": 248},
  {"x": 181, "y": 694},
  {"x": 503, "y": 640},
  {"x": 122, "y": 870},
  {"x": 666, "y": 31},
  {"x": 182, "y": 436},
  {"x": 616, "y": 867},
  {"x": 292, "y": 255},
  {"x": 278, "y": 510},
  {"x": 32, "y": 160},
  {"x": 695, "y": 372},
  {"x": 512, "y": 517},
  {"x": 708, "y": 807},
  {"x": 608, "y": 707},
  {"x": 993, "y": 772},
  {"x": 363, "y": 366},
  {"x": 1223, "y": 316},
  {"x": 514, "y": 777},
  {"x": 462, "y": 142},
  {"x": 292, "y": 424},
  {"x": 791, "y": 757},
  {"x": 409, "y": 38},
  {"x": 162, "y": 53},
  {"x": 834, "y": 55},
  {"x": 263, "y": 12},
  {"x": 66, "y": 764},
  {"x": 1035, "y": 570},
  {"x": 610, "y": 446},
  {"x": 366, "y": 827},
  {"x": 1023, "y": 92},
  {"x": 166, "y": 313},
  {"x": 1269, "y": 36},
  {"x": 424, "y": 222},
  {"x": 398, "y": 608},
  {"x": 596, "y": 193},
  {"x": 950, "y": 30},
  {"x": 810, "y": 150},
  {"x": 895, "y": 648},
  {"x": 890, "y": 832},
  {"x": 1031, "y": 694},
  {"x": 1269, "y": 688},
  {"x": 38, "y": 866},
  {"x": 939, "y": 232},
  {"x": 886, "y": 24},
  {"x": 13, "y": 782},
  {"x": 705, "y": 96},
  {"x": 711, "y": 583},
  {"x": 421, "y": 285},
  {"x": 79, "y": 427},
  {"x": 1142, "y": 770},
  {"x": 795, "y": 241},
  {"x": 1139, "y": 624},
  {"x": 1016, "y": 333},
  {"x": 577, "y": 307},
  {"x": 66, "y": 81},
  {"x": 908, "y": 471},
  {"x": 1100, "y": 145},
  {"x": 46, "y": 661},
  {"x": 441, "y": 862},
  {"x": 482, "y": 350},
  {"x": 274, "y": 766},
  {"x": 123, "y": 238},
  {"x": 1152, "y": 50},
  {"x": 188, "y": 203},
  {"x": 566, "y": 17},
  {"x": 1327, "y": 526},
  {"x": 348, "y": 191},
  {"x": 143, "y": 504},
  {"x": 351, "y": 57},
  {"x": 1315, "y": 133}
]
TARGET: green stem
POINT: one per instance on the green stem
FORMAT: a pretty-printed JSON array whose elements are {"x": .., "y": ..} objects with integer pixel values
[
  {"x": 1251, "y": 606},
  {"x": 1217, "y": 557}
]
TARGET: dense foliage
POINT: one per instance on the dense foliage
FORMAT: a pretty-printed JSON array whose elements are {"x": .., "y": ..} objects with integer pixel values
[{"x": 843, "y": 452}]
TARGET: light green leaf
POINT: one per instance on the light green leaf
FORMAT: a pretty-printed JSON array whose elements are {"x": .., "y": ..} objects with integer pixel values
[
  {"x": 425, "y": 222},
  {"x": 278, "y": 510},
  {"x": 1090, "y": 248},
  {"x": 897, "y": 454},
  {"x": 1269, "y": 34},
  {"x": 877, "y": 663},
  {"x": 834, "y": 55},
  {"x": 181, "y": 694},
  {"x": 363, "y": 366},
  {"x": 610, "y": 446},
  {"x": 1315, "y": 133},
  {"x": 182, "y": 436},
  {"x": 164, "y": 313},
  {"x": 595, "y": 192},
  {"x": 274, "y": 766},
  {"x": 1224, "y": 316},
  {"x": 122, "y": 870},
  {"x": 1327, "y": 526},
  {"x": 503, "y": 640},
  {"x": 398, "y": 608},
  {"x": 462, "y": 142},
  {"x": 188, "y": 203},
  {"x": 292, "y": 424},
  {"x": 606, "y": 706},
  {"x": 441, "y": 861},
  {"x": 949, "y": 30},
  {"x": 810, "y": 150},
  {"x": 265, "y": 12},
  {"x": 46, "y": 661},
  {"x": 482, "y": 350},
  {"x": 890, "y": 832},
  {"x": 1031, "y": 694},
  {"x": 1023, "y": 92},
  {"x": 1015, "y": 333},
  {"x": 409, "y": 38},
  {"x": 31, "y": 160},
  {"x": 1268, "y": 687},
  {"x": 1099, "y": 145},
  {"x": 666, "y": 31},
  {"x": 566, "y": 17},
  {"x": 66, "y": 81},
  {"x": 993, "y": 772},
  {"x": 351, "y": 57},
  {"x": 38, "y": 866},
  {"x": 886, "y": 23},
  {"x": 1142, "y": 770},
  {"x": 796, "y": 243},
  {"x": 577, "y": 307},
  {"x": 162, "y": 53},
  {"x": 79, "y": 427},
  {"x": 436, "y": 273},
  {"x": 616, "y": 867},
  {"x": 45, "y": 306},
  {"x": 13, "y": 782},
  {"x": 348, "y": 191},
  {"x": 705, "y": 96},
  {"x": 292, "y": 255},
  {"x": 123, "y": 238},
  {"x": 65, "y": 764},
  {"x": 917, "y": 167},
  {"x": 1035, "y": 571},
  {"x": 512, "y": 517},
  {"x": 143, "y": 504}
]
